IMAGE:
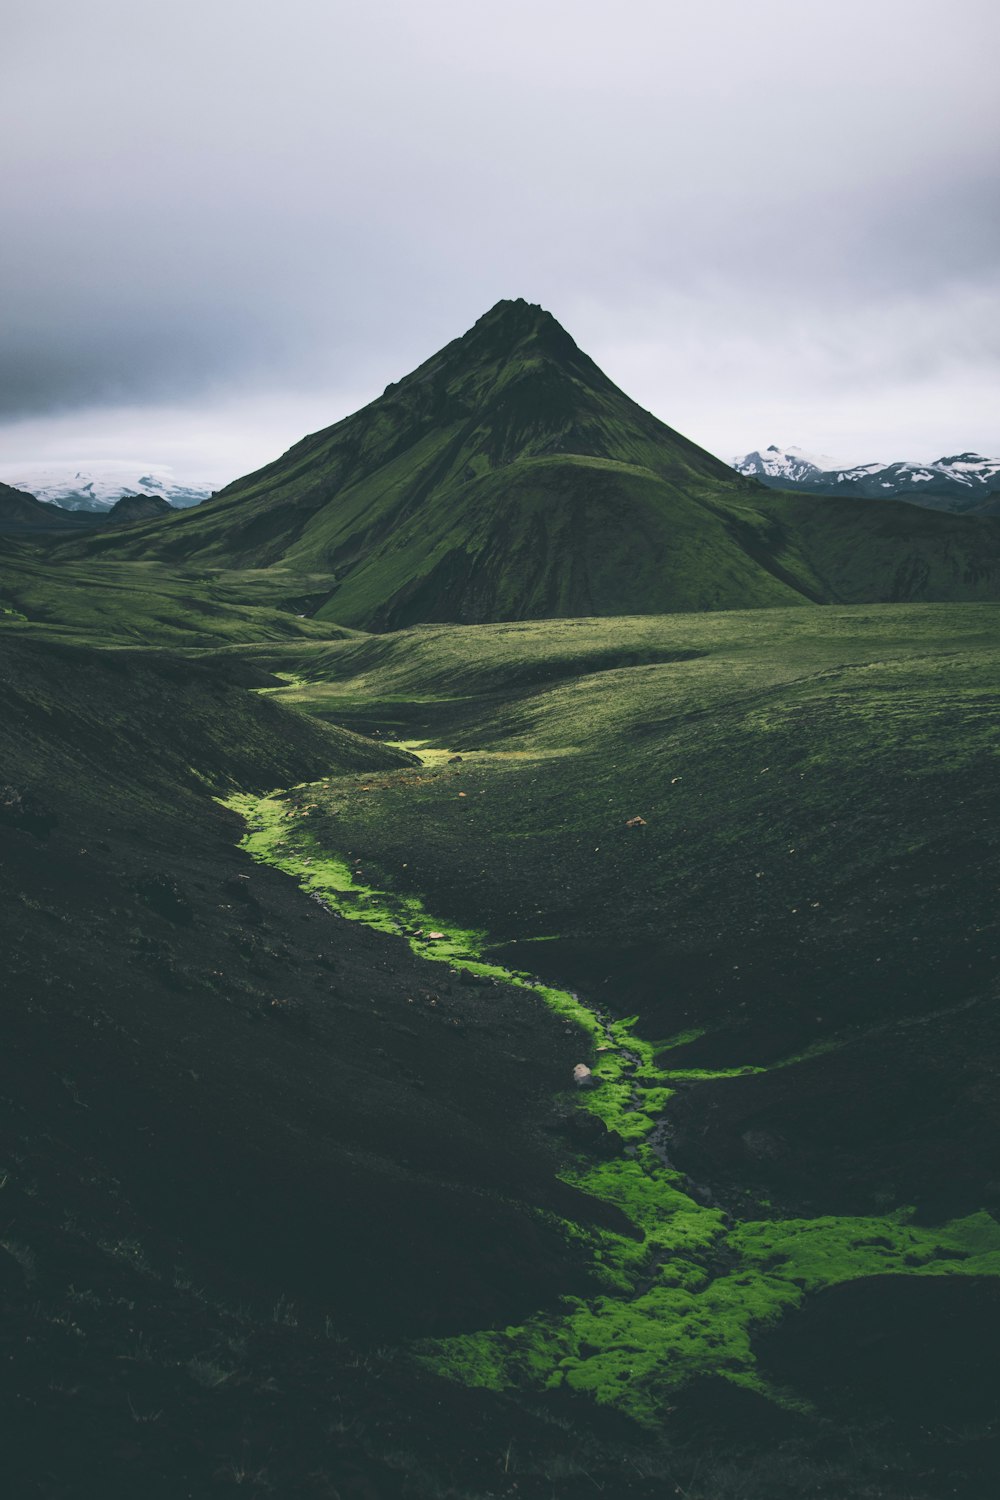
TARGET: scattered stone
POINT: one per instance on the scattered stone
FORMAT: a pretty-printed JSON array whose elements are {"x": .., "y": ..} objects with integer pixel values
[
  {"x": 635, "y": 823},
  {"x": 583, "y": 1077}
]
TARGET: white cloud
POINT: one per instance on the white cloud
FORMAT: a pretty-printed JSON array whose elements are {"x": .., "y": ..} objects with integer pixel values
[
  {"x": 208, "y": 442},
  {"x": 776, "y": 208}
]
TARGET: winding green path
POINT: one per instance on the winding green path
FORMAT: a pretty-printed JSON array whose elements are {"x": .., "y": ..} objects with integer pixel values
[{"x": 683, "y": 1296}]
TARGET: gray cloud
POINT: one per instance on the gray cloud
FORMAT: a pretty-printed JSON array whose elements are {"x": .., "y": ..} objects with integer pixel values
[{"x": 205, "y": 204}]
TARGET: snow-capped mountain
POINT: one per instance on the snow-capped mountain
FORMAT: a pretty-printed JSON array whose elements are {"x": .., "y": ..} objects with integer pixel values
[
  {"x": 99, "y": 485},
  {"x": 960, "y": 482},
  {"x": 790, "y": 465}
]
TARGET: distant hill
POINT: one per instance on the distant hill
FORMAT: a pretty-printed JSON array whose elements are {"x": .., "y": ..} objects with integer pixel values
[
  {"x": 508, "y": 478},
  {"x": 132, "y": 508},
  {"x": 21, "y": 512},
  {"x": 990, "y": 506},
  {"x": 961, "y": 482}
]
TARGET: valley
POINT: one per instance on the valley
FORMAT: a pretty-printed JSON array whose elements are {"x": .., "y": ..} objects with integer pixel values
[
  {"x": 500, "y": 938},
  {"x": 789, "y": 1021}
]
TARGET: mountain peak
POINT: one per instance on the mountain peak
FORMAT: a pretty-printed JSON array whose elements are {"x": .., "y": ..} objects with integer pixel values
[
  {"x": 516, "y": 314},
  {"x": 506, "y": 475},
  {"x": 508, "y": 478},
  {"x": 512, "y": 325},
  {"x": 516, "y": 344},
  {"x": 515, "y": 307}
]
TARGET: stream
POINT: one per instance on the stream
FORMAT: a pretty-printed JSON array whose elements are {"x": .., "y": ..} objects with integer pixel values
[{"x": 681, "y": 1298}]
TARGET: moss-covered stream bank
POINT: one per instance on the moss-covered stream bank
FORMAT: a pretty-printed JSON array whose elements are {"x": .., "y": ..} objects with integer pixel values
[{"x": 687, "y": 1290}]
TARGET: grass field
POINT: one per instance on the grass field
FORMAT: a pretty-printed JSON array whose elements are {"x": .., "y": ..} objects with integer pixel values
[{"x": 109, "y": 603}]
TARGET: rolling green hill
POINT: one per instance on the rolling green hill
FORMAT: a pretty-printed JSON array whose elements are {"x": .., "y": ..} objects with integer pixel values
[{"x": 508, "y": 478}]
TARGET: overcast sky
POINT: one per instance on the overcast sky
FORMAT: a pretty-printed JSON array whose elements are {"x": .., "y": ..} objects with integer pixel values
[{"x": 230, "y": 222}]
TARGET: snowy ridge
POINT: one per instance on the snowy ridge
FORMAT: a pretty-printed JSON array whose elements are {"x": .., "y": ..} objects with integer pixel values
[
  {"x": 99, "y": 486},
  {"x": 961, "y": 481},
  {"x": 783, "y": 463}
]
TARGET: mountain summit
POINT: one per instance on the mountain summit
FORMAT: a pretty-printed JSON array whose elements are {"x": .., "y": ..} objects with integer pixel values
[{"x": 509, "y": 478}]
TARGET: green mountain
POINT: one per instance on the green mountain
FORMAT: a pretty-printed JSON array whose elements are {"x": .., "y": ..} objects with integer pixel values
[{"x": 508, "y": 478}]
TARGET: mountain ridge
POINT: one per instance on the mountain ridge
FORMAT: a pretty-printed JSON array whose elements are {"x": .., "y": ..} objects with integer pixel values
[
  {"x": 959, "y": 482},
  {"x": 21, "y": 512}
]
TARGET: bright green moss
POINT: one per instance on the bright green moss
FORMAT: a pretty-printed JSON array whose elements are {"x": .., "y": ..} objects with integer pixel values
[
  {"x": 278, "y": 834},
  {"x": 815, "y": 1253},
  {"x": 631, "y": 1351},
  {"x": 683, "y": 1295}
]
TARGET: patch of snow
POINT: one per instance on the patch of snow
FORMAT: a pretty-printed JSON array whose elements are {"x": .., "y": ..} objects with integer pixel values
[
  {"x": 958, "y": 473},
  {"x": 98, "y": 486},
  {"x": 782, "y": 463}
]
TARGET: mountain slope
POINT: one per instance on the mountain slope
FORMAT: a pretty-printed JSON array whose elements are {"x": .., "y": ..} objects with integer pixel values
[
  {"x": 509, "y": 478},
  {"x": 506, "y": 476},
  {"x": 864, "y": 552}
]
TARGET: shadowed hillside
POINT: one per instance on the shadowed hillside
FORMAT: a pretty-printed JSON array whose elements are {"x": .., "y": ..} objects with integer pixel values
[{"x": 21, "y": 512}]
